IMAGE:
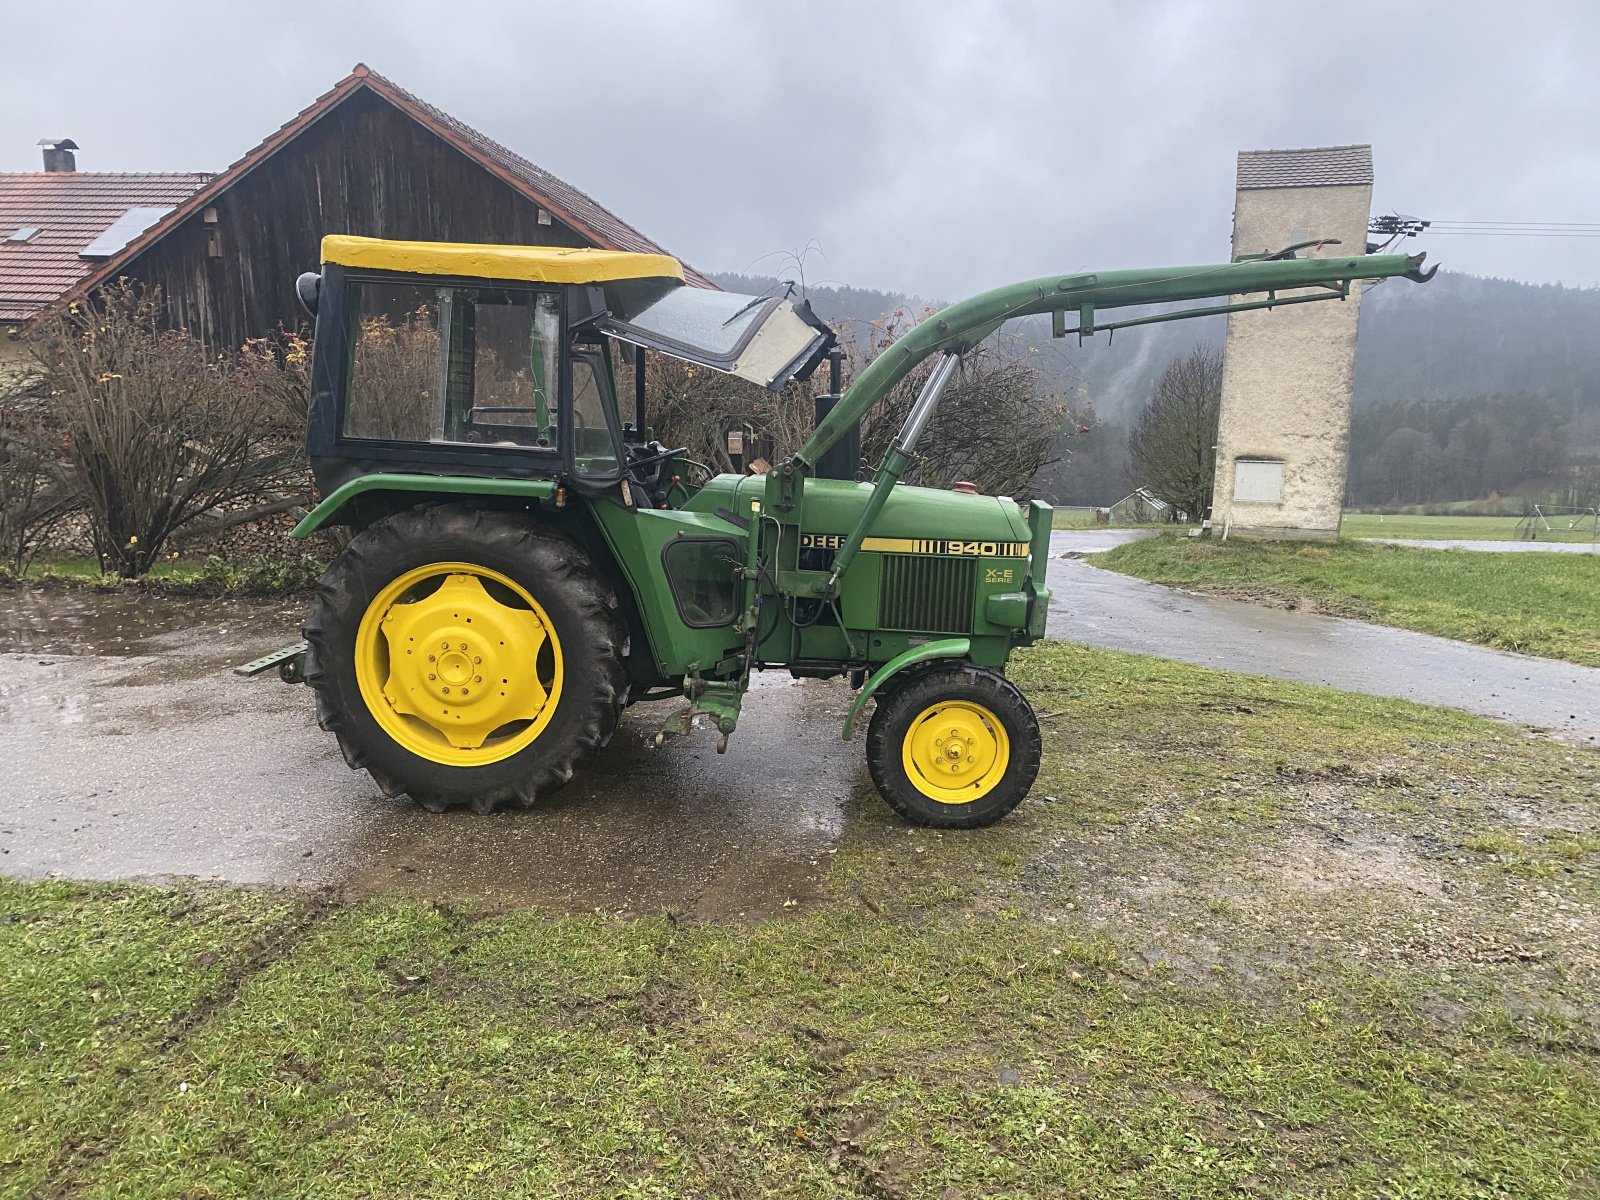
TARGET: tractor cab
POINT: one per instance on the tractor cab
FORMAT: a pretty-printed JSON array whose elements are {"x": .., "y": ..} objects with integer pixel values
[{"x": 501, "y": 361}]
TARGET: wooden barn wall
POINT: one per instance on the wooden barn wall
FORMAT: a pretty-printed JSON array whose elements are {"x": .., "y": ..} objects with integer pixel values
[{"x": 364, "y": 168}]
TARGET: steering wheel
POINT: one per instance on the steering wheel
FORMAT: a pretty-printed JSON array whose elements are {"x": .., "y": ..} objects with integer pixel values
[{"x": 655, "y": 456}]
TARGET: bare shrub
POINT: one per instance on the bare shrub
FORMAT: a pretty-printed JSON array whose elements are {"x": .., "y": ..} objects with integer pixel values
[
  {"x": 158, "y": 430},
  {"x": 277, "y": 372},
  {"x": 35, "y": 491}
]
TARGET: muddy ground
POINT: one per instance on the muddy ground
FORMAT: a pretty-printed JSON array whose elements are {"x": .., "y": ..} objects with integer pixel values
[{"x": 131, "y": 751}]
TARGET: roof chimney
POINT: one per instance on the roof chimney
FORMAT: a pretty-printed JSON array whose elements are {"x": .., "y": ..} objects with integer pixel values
[{"x": 58, "y": 156}]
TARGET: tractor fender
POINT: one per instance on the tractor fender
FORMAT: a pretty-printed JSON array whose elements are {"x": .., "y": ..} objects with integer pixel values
[
  {"x": 331, "y": 510},
  {"x": 946, "y": 648}
]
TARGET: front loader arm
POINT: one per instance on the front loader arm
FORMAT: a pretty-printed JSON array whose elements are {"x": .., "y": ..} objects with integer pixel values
[{"x": 960, "y": 327}]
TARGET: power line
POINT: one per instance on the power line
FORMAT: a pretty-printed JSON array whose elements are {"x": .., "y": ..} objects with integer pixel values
[
  {"x": 1520, "y": 224},
  {"x": 1395, "y": 226}
]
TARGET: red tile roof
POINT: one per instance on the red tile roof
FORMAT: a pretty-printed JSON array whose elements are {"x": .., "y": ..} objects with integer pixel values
[
  {"x": 603, "y": 228},
  {"x": 70, "y": 209}
]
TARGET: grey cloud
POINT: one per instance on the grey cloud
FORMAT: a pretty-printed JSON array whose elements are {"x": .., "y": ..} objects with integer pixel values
[{"x": 937, "y": 147}]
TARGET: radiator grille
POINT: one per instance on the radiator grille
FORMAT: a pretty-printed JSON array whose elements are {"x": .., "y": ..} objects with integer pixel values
[{"x": 922, "y": 593}]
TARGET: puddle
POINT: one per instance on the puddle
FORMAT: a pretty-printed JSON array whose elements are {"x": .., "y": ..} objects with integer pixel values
[
  {"x": 133, "y": 752},
  {"x": 77, "y": 621}
]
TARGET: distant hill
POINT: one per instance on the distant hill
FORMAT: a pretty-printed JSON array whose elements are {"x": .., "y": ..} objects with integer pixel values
[
  {"x": 1463, "y": 335},
  {"x": 1457, "y": 336}
]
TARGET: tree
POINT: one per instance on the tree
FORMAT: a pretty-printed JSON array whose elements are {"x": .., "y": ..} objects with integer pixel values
[
  {"x": 1172, "y": 450},
  {"x": 997, "y": 424}
]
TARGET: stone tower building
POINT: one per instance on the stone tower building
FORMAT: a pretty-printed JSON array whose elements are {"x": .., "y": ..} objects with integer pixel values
[{"x": 1283, "y": 439}]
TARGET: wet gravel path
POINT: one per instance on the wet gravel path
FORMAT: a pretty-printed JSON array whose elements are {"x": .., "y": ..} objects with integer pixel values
[{"x": 1103, "y": 608}]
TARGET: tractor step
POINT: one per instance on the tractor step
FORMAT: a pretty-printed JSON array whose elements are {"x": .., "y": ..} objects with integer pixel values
[{"x": 290, "y": 662}]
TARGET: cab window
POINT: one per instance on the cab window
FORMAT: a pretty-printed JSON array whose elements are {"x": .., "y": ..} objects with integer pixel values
[
  {"x": 394, "y": 364},
  {"x": 478, "y": 366}
]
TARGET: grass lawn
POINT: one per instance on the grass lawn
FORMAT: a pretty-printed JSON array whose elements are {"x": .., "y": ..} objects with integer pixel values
[
  {"x": 1082, "y": 518},
  {"x": 1463, "y": 528},
  {"x": 1540, "y": 604},
  {"x": 1249, "y": 938},
  {"x": 1072, "y": 518}
]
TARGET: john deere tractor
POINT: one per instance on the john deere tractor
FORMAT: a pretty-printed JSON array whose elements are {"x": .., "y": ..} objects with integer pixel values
[{"x": 526, "y": 560}]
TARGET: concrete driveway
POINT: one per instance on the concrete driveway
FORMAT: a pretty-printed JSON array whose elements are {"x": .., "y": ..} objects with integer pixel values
[{"x": 132, "y": 751}]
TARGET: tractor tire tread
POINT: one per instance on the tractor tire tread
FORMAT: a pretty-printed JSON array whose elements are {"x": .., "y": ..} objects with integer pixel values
[
  {"x": 907, "y": 696},
  {"x": 564, "y": 576}
]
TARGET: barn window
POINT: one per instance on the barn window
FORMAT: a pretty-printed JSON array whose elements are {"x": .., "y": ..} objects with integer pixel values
[{"x": 1258, "y": 480}]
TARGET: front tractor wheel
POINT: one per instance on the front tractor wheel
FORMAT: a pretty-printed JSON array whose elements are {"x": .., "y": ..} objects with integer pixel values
[
  {"x": 465, "y": 657},
  {"x": 955, "y": 747}
]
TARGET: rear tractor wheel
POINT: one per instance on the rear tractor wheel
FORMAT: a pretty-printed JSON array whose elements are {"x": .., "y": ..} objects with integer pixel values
[
  {"x": 953, "y": 746},
  {"x": 465, "y": 657}
]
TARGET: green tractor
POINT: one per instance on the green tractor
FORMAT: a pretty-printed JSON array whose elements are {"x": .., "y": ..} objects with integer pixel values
[{"x": 526, "y": 560}]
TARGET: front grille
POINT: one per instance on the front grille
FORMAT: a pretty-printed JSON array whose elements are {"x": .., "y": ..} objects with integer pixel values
[{"x": 922, "y": 593}]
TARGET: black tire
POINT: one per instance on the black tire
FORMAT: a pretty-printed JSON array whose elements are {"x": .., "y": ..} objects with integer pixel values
[
  {"x": 909, "y": 697},
  {"x": 553, "y": 570}
]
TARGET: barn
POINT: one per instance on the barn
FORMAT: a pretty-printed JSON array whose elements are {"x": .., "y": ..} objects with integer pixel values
[{"x": 367, "y": 157}]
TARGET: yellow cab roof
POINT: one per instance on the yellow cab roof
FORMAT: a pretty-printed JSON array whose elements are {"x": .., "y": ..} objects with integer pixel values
[{"x": 536, "y": 264}]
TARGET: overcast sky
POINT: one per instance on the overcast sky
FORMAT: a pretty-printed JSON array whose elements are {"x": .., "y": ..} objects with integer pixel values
[{"x": 934, "y": 147}]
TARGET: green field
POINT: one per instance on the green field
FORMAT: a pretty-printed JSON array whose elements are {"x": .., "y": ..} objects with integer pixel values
[
  {"x": 1072, "y": 518},
  {"x": 1083, "y": 518},
  {"x": 1248, "y": 938},
  {"x": 1488, "y": 529},
  {"x": 1540, "y": 604}
]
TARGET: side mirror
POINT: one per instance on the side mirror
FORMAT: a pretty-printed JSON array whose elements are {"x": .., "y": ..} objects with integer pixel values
[{"x": 308, "y": 288}]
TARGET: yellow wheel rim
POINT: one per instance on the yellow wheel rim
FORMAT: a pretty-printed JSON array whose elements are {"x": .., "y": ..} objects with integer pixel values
[
  {"x": 955, "y": 752},
  {"x": 458, "y": 664}
]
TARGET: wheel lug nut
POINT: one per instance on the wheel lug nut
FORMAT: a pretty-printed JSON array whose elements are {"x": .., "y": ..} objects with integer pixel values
[
  {"x": 463, "y": 691},
  {"x": 431, "y": 657},
  {"x": 446, "y": 691},
  {"x": 477, "y": 679},
  {"x": 444, "y": 645},
  {"x": 431, "y": 675},
  {"x": 463, "y": 645},
  {"x": 476, "y": 660}
]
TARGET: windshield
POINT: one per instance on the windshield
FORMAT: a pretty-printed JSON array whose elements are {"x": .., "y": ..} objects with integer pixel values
[
  {"x": 764, "y": 339},
  {"x": 703, "y": 320}
]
